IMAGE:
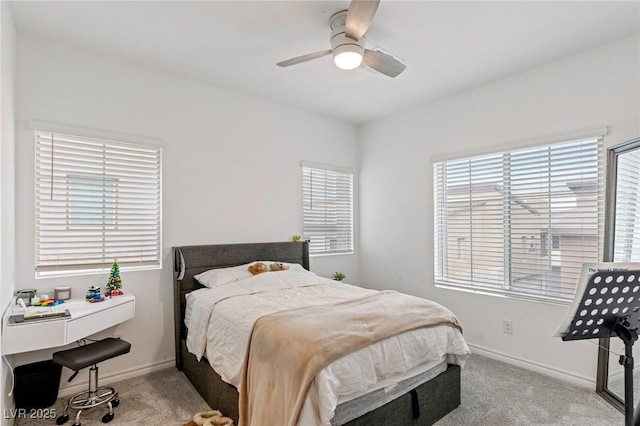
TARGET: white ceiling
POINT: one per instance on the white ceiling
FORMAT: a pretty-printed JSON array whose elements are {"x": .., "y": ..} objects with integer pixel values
[{"x": 448, "y": 46}]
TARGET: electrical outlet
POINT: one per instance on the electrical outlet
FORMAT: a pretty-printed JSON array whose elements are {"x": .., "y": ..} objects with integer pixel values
[{"x": 507, "y": 326}]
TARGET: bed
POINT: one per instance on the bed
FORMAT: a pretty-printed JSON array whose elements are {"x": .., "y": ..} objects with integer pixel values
[{"x": 420, "y": 396}]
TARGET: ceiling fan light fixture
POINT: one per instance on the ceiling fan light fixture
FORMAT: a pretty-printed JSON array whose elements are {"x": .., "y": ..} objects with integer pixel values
[{"x": 348, "y": 56}]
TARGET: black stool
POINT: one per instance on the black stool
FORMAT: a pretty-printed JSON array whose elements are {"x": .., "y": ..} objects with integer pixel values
[{"x": 90, "y": 355}]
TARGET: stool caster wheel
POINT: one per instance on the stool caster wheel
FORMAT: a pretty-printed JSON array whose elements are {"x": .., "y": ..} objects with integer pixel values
[
  {"x": 115, "y": 403},
  {"x": 62, "y": 419},
  {"x": 107, "y": 417}
]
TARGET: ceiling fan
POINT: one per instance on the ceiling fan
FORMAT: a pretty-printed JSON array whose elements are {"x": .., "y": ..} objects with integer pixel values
[{"x": 348, "y": 42}]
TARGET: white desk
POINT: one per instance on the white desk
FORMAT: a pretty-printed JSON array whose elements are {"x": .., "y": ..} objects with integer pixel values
[{"x": 86, "y": 319}]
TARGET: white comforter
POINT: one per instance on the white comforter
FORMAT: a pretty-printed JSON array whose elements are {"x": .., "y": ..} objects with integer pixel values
[{"x": 220, "y": 320}]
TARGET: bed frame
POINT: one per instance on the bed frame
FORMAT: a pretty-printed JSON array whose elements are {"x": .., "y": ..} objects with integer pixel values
[{"x": 423, "y": 405}]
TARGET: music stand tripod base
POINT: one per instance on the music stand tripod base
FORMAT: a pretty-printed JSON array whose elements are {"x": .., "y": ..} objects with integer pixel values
[{"x": 610, "y": 306}]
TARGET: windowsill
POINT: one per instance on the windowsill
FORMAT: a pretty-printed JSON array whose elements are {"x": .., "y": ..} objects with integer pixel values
[
  {"x": 504, "y": 295},
  {"x": 331, "y": 254},
  {"x": 81, "y": 273}
]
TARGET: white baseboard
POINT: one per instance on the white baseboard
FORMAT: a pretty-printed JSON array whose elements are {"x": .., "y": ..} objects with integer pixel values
[
  {"x": 71, "y": 389},
  {"x": 584, "y": 381}
]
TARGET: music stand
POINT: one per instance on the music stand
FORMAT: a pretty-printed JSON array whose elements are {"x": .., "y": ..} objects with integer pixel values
[{"x": 610, "y": 306}]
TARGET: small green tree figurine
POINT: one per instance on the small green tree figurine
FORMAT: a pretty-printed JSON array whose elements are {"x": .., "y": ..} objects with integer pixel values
[{"x": 115, "y": 283}]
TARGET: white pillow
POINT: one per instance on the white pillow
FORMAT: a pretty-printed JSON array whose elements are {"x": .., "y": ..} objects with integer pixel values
[{"x": 217, "y": 277}]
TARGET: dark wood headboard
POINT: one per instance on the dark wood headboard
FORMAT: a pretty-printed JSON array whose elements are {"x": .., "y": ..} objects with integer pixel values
[{"x": 189, "y": 261}]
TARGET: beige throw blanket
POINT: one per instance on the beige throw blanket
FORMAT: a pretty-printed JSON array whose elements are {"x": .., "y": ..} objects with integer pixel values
[{"x": 287, "y": 349}]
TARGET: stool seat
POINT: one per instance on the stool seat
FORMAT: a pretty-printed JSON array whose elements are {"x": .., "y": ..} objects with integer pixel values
[{"x": 84, "y": 356}]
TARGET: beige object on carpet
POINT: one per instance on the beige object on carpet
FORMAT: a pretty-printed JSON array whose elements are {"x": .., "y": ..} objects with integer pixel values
[{"x": 211, "y": 418}]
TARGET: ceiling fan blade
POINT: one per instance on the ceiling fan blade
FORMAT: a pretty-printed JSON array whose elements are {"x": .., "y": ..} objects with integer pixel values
[
  {"x": 383, "y": 63},
  {"x": 359, "y": 17},
  {"x": 303, "y": 58}
]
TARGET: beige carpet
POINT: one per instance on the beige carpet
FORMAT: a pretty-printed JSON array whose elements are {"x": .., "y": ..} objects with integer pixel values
[
  {"x": 493, "y": 394},
  {"x": 496, "y": 394}
]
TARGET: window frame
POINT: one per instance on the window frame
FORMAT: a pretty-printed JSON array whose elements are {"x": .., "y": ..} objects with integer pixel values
[
  {"x": 440, "y": 257},
  {"x": 343, "y": 174},
  {"x": 116, "y": 204}
]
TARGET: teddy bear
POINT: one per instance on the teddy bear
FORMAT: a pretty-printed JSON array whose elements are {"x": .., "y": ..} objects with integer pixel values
[
  {"x": 278, "y": 266},
  {"x": 258, "y": 268}
]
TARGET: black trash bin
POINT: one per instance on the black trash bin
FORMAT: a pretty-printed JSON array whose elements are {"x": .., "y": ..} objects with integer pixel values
[{"x": 36, "y": 385}]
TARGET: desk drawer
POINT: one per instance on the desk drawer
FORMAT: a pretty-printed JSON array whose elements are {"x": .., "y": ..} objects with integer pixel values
[
  {"x": 79, "y": 328},
  {"x": 32, "y": 337}
]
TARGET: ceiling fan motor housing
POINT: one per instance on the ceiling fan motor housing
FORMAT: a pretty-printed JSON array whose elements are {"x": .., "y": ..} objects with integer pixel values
[{"x": 339, "y": 41}]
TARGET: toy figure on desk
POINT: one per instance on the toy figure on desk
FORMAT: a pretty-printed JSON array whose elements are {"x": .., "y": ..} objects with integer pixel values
[
  {"x": 115, "y": 283},
  {"x": 94, "y": 295}
]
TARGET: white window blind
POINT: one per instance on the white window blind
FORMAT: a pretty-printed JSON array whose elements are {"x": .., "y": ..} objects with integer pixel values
[
  {"x": 96, "y": 201},
  {"x": 520, "y": 222},
  {"x": 627, "y": 232},
  {"x": 327, "y": 209}
]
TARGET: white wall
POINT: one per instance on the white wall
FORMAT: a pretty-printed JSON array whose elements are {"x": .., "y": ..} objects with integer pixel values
[
  {"x": 7, "y": 181},
  {"x": 396, "y": 189},
  {"x": 231, "y": 171}
]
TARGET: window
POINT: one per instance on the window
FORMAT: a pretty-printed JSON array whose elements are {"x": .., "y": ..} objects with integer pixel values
[
  {"x": 627, "y": 232},
  {"x": 529, "y": 219},
  {"x": 327, "y": 198},
  {"x": 96, "y": 201}
]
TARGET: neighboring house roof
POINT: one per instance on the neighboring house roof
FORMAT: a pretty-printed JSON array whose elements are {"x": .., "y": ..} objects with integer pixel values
[{"x": 478, "y": 188}]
